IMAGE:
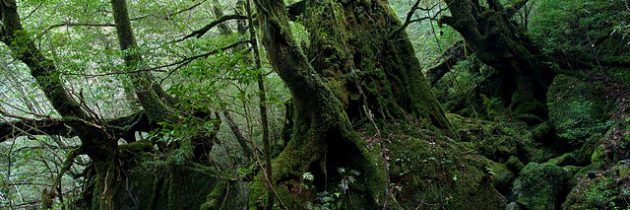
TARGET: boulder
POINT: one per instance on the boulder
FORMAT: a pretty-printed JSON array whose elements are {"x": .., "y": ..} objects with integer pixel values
[
  {"x": 540, "y": 186},
  {"x": 577, "y": 109}
]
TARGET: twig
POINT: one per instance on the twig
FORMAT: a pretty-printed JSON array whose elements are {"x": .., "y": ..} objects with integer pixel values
[
  {"x": 409, "y": 20},
  {"x": 70, "y": 24},
  {"x": 172, "y": 14},
  {"x": 158, "y": 68},
  {"x": 185, "y": 61},
  {"x": 200, "y": 32}
]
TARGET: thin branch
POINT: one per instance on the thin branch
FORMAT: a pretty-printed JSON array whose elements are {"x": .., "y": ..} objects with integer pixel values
[
  {"x": 123, "y": 127},
  {"x": 186, "y": 61},
  {"x": 178, "y": 64},
  {"x": 200, "y": 32},
  {"x": 71, "y": 24},
  {"x": 414, "y": 8},
  {"x": 33, "y": 11},
  {"x": 172, "y": 14},
  {"x": 514, "y": 8}
]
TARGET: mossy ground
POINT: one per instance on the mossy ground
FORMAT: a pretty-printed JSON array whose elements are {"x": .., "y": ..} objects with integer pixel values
[{"x": 430, "y": 170}]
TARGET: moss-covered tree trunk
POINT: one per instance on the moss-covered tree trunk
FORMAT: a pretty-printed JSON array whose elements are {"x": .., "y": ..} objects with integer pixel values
[
  {"x": 353, "y": 74},
  {"x": 499, "y": 42},
  {"x": 149, "y": 93},
  {"x": 99, "y": 143},
  {"x": 351, "y": 47}
]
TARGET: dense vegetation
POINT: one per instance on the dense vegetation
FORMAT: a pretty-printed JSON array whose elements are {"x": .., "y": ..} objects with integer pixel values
[{"x": 315, "y": 104}]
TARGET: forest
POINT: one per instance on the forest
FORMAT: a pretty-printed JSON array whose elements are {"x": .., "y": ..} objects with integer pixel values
[{"x": 315, "y": 104}]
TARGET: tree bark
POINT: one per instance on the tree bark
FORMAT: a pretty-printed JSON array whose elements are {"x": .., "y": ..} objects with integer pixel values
[
  {"x": 351, "y": 47},
  {"x": 448, "y": 60},
  {"x": 96, "y": 141},
  {"x": 500, "y": 43},
  {"x": 149, "y": 93},
  {"x": 262, "y": 96},
  {"x": 353, "y": 75}
]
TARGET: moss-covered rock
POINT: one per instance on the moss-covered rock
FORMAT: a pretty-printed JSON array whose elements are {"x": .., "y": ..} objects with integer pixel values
[
  {"x": 577, "y": 109},
  {"x": 540, "y": 186},
  {"x": 514, "y": 164},
  {"x": 564, "y": 160},
  {"x": 583, "y": 155},
  {"x": 609, "y": 189},
  {"x": 499, "y": 140},
  {"x": 502, "y": 177},
  {"x": 430, "y": 171}
]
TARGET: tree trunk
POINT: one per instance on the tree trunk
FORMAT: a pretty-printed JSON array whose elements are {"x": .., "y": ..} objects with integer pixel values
[
  {"x": 354, "y": 75},
  {"x": 351, "y": 48},
  {"x": 501, "y": 44},
  {"x": 96, "y": 141},
  {"x": 146, "y": 89}
]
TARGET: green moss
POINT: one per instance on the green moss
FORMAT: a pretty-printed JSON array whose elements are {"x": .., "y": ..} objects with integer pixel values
[
  {"x": 496, "y": 140},
  {"x": 542, "y": 130},
  {"x": 564, "y": 160},
  {"x": 572, "y": 169},
  {"x": 502, "y": 177},
  {"x": 599, "y": 154},
  {"x": 514, "y": 164},
  {"x": 540, "y": 185},
  {"x": 577, "y": 109},
  {"x": 605, "y": 189},
  {"x": 583, "y": 155},
  {"x": 601, "y": 193},
  {"x": 434, "y": 173}
]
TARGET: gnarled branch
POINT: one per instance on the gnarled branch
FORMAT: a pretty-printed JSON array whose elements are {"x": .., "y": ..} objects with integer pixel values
[{"x": 123, "y": 127}]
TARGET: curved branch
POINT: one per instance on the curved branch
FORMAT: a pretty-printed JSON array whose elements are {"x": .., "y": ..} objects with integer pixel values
[
  {"x": 30, "y": 127},
  {"x": 200, "y": 32},
  {"x": 450, "y": 58},
  {"x": 296, "y": 9},
  {"x": 409, "y": 20},
  {"x": 123, "y": 127},
  {"x": 177, "y": 64}
]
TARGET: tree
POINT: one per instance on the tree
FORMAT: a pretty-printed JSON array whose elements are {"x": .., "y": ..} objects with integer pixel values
[
  {"x": 524, "y": 75},
  {"x": 358, "y": 75},
  {"x": 96, "y": 141},
  {"x": 99, "y": 137}
]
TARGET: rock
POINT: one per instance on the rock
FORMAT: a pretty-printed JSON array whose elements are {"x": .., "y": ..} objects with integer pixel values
[
  {"x": 583, "y": 155},
  {"x": 599, "y": 154},
  {"x": 564, "y": 160},
  {"x": 577, "y": 109},
  {"x": 514, "y": 206},
  {"x": 604, "y": 189},
  {"x": 502, "y": 176},
  {"x": 441, "y": 174},
  {"x": 539, "y": 186},
  {"x": 514, "y": 164}
]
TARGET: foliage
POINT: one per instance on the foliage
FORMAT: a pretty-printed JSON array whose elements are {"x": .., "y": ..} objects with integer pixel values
[
  {"x": 591, "y": 29},
  {"x": 577, "y": 109},
  {"x": 486, "y": 159}
]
